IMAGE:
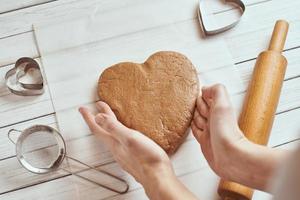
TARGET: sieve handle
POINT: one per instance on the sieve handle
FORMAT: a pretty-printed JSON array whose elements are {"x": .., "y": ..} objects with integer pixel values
[
  {"x": 9, "y": 135},
  {"x": 97, "y": 170}
]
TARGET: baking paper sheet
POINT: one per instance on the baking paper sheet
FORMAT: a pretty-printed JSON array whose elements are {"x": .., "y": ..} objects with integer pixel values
[{"x": 74, "y": 53}]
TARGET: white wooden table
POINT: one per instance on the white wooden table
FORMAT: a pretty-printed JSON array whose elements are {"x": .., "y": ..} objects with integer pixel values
[{"x": 243, "y": 44}]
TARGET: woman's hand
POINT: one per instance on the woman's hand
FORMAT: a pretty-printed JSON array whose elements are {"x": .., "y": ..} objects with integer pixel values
[
  {"x": 136, "y": 153},
  {"x": 228, "y": 152},
  {"x": 216, "y": 129}
]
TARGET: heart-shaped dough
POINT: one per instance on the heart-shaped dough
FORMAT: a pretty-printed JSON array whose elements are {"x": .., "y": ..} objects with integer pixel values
[{"x": 156, "y": 98}]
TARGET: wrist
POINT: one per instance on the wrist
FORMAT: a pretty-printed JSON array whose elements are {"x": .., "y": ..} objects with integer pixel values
[
  {"x": 230, "y": 163},
  {"x": 233, "y": 163},
  {"x": 158, "y": 179},
  {"x": 238, "y": 162},
  {"x": 253, "y": 165}
]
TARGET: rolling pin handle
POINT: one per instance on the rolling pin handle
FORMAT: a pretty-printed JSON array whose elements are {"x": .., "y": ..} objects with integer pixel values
[{"x": 279, "y": 36}]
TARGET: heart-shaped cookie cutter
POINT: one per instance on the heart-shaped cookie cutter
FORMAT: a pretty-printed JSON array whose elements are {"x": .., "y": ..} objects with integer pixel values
[
  {"x": 203, "y": 19},
  {"x": 13, "y": 76}
]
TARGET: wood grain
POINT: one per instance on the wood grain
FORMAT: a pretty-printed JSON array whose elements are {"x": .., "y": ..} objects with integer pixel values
[
  {"x": 11, "y": 6},
  {"x": 12, "y": 48}
]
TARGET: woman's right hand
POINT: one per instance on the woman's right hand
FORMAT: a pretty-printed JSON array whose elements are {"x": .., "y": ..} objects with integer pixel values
[{"x": 228, "y": 152}]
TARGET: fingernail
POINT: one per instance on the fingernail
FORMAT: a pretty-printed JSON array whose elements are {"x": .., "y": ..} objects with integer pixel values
[{"x": 80, "y": 109}]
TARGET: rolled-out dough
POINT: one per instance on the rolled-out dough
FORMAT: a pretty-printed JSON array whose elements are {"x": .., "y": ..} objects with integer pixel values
[{"x": 156, "y": 98}]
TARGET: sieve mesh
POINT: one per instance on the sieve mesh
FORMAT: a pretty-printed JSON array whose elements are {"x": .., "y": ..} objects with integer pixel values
[{"x": 40, "y": 149}]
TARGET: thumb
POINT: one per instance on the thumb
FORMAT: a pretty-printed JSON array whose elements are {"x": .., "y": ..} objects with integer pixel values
[{"x": 216, "y": 96}]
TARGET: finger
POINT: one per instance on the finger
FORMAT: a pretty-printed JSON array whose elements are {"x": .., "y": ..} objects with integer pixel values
[
  {"x": 202, "y": 107},
  {"x": 200, "y": 121},
  {"x": 114, "y": 127},
  {"x": 104, "y": 108},
  {"x": 216, "y": 95},
  {"x": 89, "y": 118},
  {"x": 198, "y": 134},
  {"x": 206, "y": 95},
  {"x": 203, "y": 140}
]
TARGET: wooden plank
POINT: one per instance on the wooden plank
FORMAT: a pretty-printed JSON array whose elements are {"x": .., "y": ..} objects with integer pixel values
[
  {"x": 14, "y": 109},
  {"x": 293, "y": 71},
  {"x": 10, "y": 6},
  {"x": 22, "y": 20},
  {"x": 289, "y": 98},
  {"x": 21, "y": 45},
  {"x": 285, "y": 128},
  {"x": 259, "y": 42},
  {"x": 216, "y": 6},
  {"x": 253, "y": 33}
]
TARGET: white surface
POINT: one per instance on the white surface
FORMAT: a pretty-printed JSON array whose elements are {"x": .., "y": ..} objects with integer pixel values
[
  {"x": 244, "y": 42},
  {"x": 84, "y": 50}
]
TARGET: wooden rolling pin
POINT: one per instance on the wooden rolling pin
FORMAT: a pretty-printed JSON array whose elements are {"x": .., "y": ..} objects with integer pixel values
[{"x": 260, "y": 103}]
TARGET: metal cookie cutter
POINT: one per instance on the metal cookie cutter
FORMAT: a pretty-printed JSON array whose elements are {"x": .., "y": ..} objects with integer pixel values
[
  {"x": 41, "y": 149},
  {"x": 13, "y": 76},
  {"x": 203, "y": 20}
]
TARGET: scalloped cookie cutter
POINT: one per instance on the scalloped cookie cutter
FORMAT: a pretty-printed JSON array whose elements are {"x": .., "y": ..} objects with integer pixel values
[
  {"x": 14, "y": 75},
  {"x": 202, "y": 19}
]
